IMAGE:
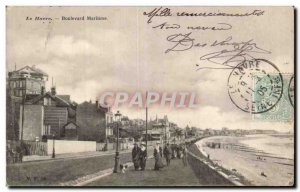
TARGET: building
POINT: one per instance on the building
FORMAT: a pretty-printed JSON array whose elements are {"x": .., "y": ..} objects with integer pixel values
[
  {"x": 109, "y": 116},
  {"x": 225, "y": 131},
  {"x": 159, "y": 129},
  {"x": 26, "y": 81},
  {"x": 45, "y": 116},
  {"x": 23, "y": 84},
  {"x": 93, "y": 122},
  {"x": 154, "y": 135},
  {"x": 209, "y": 131},
  {"x": 138, "y": 122}
]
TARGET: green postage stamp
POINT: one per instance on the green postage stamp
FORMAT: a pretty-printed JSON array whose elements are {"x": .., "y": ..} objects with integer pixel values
[{"x": 283, "y": 110}]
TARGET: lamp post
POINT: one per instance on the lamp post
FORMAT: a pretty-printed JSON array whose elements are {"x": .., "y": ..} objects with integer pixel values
[
  {"x": 106, "y": 139},
  {"x": 53, "y": 150},
  {"x": 106, "y": 130},
  {"x": 117, "y": 157},
  {"x": 146, "y": 122},
  {"x": 164, "y": 125}
]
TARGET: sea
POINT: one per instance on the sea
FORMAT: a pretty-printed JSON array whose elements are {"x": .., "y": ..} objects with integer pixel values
[{"x": 280, "y": 145}]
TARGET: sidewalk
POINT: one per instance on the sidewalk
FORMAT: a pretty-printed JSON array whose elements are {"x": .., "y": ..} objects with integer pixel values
[
  {"x": 34, "y": 158},
  {"x": 174, "y": 175}
]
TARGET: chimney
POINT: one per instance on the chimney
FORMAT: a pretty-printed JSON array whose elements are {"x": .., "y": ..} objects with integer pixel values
[
  {"x": 42, "y": 90},
  {"x": 53, "y": 91}
]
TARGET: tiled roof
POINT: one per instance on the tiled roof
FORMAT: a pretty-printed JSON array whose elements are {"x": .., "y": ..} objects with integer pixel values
[{"x": 64, "y": 97}]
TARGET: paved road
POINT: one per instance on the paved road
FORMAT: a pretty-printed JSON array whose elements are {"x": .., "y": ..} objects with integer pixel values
[{"x": 53, "y": 172}]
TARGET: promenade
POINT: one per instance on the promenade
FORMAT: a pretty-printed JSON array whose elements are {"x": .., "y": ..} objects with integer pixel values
[
  {"x": 174, "y": 175},
  {"x": 196, "y": 173},
  {"x": 96, "y": 169}
]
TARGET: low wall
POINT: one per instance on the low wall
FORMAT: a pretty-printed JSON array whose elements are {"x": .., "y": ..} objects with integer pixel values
[
  {"x": 66, "y": 146},
  {"x": 112, "y": 146},
  {"x": 208, "y": 173}
]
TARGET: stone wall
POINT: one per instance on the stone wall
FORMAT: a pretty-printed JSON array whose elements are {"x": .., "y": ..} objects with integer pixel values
[{"x": 66, "y": 146}]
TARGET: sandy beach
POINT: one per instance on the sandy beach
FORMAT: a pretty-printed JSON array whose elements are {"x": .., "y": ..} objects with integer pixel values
[{"x": 264, "y": 160}]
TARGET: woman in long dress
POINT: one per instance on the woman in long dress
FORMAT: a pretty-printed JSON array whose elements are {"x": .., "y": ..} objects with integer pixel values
[
  {"x": 157, "y": 157},
  {"x": 136, "y": 156}
]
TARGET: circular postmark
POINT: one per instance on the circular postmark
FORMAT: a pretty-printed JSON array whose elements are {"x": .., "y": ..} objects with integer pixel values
[
  {"x": 255, "y": 86},
  {"x": 291, "y": 91}
]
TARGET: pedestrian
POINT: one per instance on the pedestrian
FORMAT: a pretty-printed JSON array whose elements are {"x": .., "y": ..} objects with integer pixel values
[
  {"x": 178, "y": 151},
  {"x": 173, "y": 151},
  {"x": 136, "y": 156},
  {"x": 184, "y": 155},
  {"x": 157, "y": 156},
  {"x": 168, "y": 153},
  {"x": 160, "y": 151},
  {"x": 143, "y": 156}
]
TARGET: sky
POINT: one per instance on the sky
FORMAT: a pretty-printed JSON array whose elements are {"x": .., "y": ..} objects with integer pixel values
[{"x": 125, "y": 53}]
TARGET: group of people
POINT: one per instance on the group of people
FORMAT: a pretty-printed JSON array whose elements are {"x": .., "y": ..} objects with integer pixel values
[
  {"x": 139, "y": 155},
  {"x": 169, "y": 152}
]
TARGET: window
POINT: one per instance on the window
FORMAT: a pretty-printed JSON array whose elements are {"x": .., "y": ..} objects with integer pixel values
[
  {"x": 47, "y": 101},
  {"x": 49, "y": 130},
  {"x": 109, "y": 131},
  {"x": 17, "y": 84},
  {"x": 46, "y": 130},
  {"x": 24, "y": 83}
]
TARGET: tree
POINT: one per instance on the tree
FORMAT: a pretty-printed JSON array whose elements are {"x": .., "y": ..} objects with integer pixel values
[
  {"x": 178, "y": 133},
  {"x": 187, "y": 129},
  {"x": 193, "y": 131}
]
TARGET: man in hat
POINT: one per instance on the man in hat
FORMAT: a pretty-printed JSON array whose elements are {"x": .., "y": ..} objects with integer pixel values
[
  {"x": 136, "y": 156},
  {"x": 168, "y": 153},
  {"x": 143, "y": 156}
]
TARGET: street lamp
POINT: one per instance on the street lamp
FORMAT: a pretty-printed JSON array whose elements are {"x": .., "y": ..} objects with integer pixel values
[
  {"x": 53, "y": 150},
  {"x": 117, "y": 157}
]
